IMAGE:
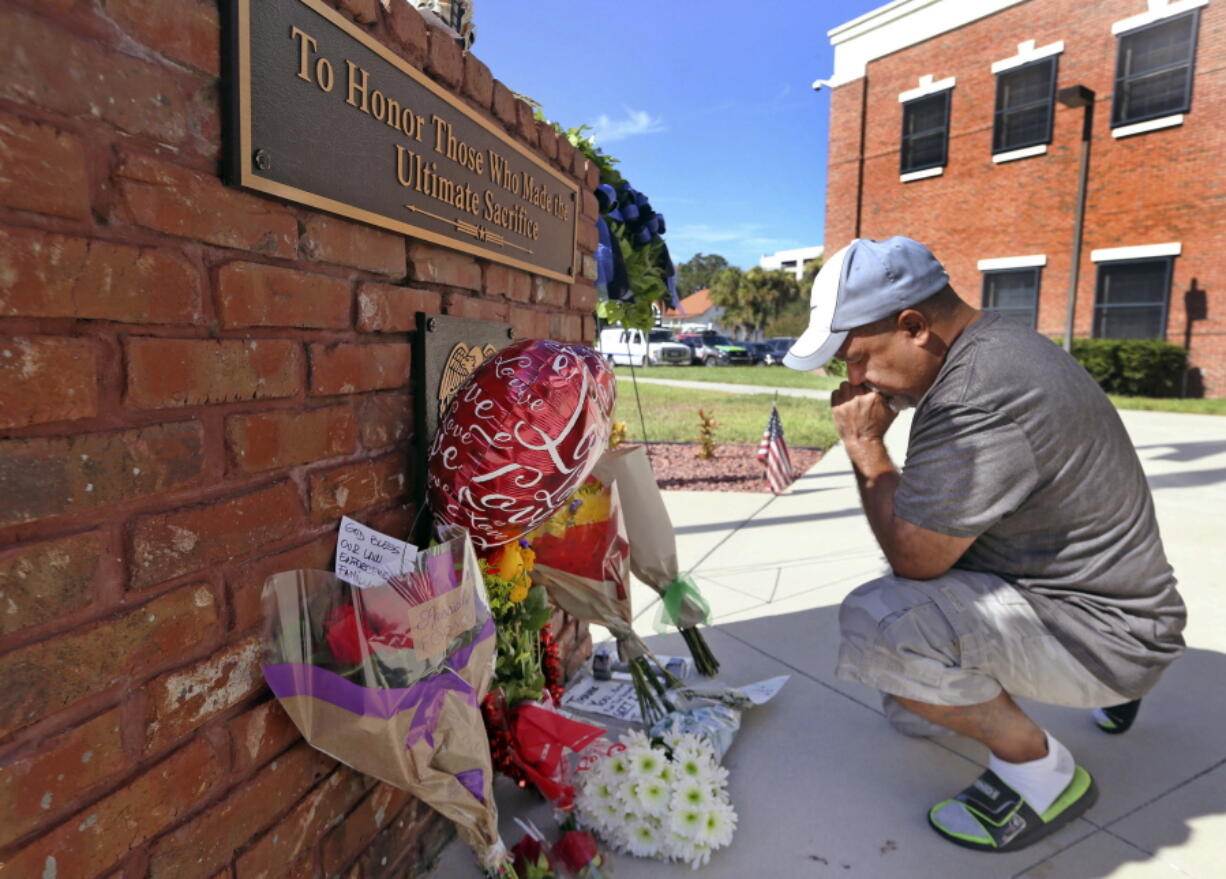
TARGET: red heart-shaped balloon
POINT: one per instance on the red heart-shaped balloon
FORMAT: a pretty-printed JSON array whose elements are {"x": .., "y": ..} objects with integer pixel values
[{"x": 522, "y": 433}]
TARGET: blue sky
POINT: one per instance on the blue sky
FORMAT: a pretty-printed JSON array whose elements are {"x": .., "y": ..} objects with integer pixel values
[{"x": 708, "y": 104}]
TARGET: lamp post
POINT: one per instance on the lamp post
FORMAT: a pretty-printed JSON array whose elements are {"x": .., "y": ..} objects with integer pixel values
[{"x": 1078, "y": 96}]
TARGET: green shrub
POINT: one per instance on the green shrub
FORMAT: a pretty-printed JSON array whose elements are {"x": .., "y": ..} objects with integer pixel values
[{"x": 1133, "y": 367}]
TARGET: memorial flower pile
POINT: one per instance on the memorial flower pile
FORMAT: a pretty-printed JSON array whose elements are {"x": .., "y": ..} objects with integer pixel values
[
  {"x": 579, "y": 855},
  {"x": 667, "y": 800},
  {"x": 583, "y": 559},
  {"x": 532, "y": 859},
  {"x": 576, "y": 855},
  {"x": 521, "y": 613},
  {"x": 388, "y": 679},
  {"x": 527, "y": 735}
]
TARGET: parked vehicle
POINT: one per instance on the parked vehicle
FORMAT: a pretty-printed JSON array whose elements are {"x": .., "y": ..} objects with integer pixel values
[
  {"x": 693, "y": 343},
  {"x": 776, "y": 349},
  {"x": 663, "y": 349},
  {"x": 758, "y": 352},
  {"x": 655, "y": 348},
  {"x": 712, "y": 349}
]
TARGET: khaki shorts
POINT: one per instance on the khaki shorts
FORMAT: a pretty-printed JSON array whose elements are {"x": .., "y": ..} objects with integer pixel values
[{"x": 958, "y": 639}]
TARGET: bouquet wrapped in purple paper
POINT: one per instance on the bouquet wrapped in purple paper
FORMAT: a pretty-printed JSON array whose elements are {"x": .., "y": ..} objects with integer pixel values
[{"x": 389, "y": 680}]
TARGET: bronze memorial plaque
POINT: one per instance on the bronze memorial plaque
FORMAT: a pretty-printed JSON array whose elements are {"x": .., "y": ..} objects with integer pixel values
[
  {"x": 324, "y": 115},
  {"x": 446, "y": 351}
]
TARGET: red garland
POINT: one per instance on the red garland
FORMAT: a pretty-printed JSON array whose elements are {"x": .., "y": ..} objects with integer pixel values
[
  {"x": 551, "y": 664},
  {"x": 497, "y": 726},
  {"x": 494, "y": 709}
]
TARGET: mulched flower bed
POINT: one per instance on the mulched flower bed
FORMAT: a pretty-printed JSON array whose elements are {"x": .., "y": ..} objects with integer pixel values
[{"x": 734, "y": 468}]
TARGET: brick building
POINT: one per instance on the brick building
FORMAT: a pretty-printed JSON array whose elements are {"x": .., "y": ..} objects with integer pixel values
[
  {"x": 946, "y": 125},
  {"x": 196, "y": 382}
]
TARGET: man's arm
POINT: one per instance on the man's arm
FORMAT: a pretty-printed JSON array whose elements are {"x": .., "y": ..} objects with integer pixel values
[{"x": 862, "y": 418}]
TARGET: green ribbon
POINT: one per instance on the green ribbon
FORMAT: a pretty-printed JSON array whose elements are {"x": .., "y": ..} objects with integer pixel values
[{"x": 681, "y": 591}]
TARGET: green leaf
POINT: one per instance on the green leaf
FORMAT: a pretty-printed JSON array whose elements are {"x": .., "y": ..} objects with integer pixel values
[{"x": 537, "y": 609}]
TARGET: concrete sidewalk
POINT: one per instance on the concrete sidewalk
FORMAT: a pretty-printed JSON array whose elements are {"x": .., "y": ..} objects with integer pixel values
[{"x": 824, "y": 787}]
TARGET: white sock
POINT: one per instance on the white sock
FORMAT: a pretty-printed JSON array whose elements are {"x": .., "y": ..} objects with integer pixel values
[{"x": 1040, "y": 781}]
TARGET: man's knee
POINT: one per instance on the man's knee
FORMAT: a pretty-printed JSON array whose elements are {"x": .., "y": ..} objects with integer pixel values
[
  {"x": 888, "y": 613},
  {"x": 897, "y": 639},
  {"x": 892, "y": 626}
]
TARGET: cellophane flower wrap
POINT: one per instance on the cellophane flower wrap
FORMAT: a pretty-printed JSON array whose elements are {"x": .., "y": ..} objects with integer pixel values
[
  {"x": 528, "y": 735},
  {"x": 653, "y": 549},
  {"x": 389, "y": 680},
  {"x": 582, "y": 557}
]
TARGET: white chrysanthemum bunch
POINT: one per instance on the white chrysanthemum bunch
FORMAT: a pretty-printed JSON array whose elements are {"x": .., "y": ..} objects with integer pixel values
[{"x": 643, "y": 801}]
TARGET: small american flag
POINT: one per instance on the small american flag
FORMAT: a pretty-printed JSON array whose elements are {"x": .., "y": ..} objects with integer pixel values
[{"x": 773, "y": 453}]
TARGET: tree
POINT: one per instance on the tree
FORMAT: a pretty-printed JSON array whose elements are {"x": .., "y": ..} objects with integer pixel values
[
  {"x": 698, "y": 271},
  {"x": 812, "y": 267},
  {"x": 793, "y": 318},
  {"x": 752, "y": 298}
]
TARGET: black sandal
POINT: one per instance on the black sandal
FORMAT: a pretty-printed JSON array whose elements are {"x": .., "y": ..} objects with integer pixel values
[
  {"x": 1118, "y": 718},
  {"x": 990, "y": 816}
]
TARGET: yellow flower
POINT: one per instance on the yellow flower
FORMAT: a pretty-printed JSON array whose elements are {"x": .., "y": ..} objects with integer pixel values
[
  {"x": 555, "y": 526},
  {"x": 518, "y": 593},
  {"x": 594, "y": 509},
  {"x": 528, "y": 554},
  {"x": 508, "y": 563}
]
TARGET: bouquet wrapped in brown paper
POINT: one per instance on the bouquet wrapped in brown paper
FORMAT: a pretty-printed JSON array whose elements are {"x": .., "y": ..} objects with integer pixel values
[
  {"x": 582, "y": 557},
  {"x": 389, "y": 679},
  {"x": 653, "y": 549}
]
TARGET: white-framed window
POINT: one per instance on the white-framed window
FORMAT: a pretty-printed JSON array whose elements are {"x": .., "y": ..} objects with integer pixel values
[
  {"x": 1025, "y": 97},
  {"x": 925, "y": 133},
  {"x": 924, "y": 146},
  {"x": 1133, "y": 291},
  {"x": 1013, "y": 294},
  {"x": 1025, "y": 100},
  {"x": 1155, "y": 63}
]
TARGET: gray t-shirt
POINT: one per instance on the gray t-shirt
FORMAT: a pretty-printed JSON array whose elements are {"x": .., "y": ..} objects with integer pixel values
[{"x": 1016, "y": 446}]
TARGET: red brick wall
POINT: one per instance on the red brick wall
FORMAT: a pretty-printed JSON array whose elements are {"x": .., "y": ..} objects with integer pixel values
[
  {"x": 1152, "y": 188},
  {"x": 195, "y": 383}
]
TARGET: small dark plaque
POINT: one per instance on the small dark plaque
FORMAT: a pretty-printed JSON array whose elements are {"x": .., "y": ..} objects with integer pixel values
[
  {"x": 325, "y": 115},
  {"x": 446, "y": 351}
]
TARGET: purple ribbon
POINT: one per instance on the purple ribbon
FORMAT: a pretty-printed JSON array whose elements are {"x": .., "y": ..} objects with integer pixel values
[
  {"x": 474, "y": 781},
  {"x": 299, "y": 679}
]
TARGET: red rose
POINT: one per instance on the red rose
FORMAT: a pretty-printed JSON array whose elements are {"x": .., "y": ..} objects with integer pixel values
[
  {"x": 346, "y": 634},
  {"x": 576, "y": 849},
  {"x": 387, "y": 635},
  {"x": 528, "y": 852}
]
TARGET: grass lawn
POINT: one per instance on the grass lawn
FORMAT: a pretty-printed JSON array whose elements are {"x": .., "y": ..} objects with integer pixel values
[
  {"x": 672, "y": 413},
  {"x": 1171, "y": 404},
  {"x": 782, "y": 377},
  {"x": 768, "y": 376}
]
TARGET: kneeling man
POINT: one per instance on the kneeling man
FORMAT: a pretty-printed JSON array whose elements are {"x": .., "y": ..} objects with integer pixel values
[{"x": 1021, "y": 533}]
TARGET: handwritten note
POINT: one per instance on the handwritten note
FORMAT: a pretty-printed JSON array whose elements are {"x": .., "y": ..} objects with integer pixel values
[
  {"x": 366, "y": 557},
  {"x": 610, "y": 698},
  {"x": 763, "y": 691},
  {"x": 435, "y": 622}
]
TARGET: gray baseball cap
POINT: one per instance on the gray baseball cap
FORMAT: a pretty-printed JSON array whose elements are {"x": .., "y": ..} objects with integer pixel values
[{"x": 864, "y": 282}]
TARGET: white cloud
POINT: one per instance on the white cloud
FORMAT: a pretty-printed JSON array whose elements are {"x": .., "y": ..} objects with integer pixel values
[
  {"x": 749, "y": 236},
  {"x": 740, "y": 243},
  {"x": 607, "y": 130}
]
